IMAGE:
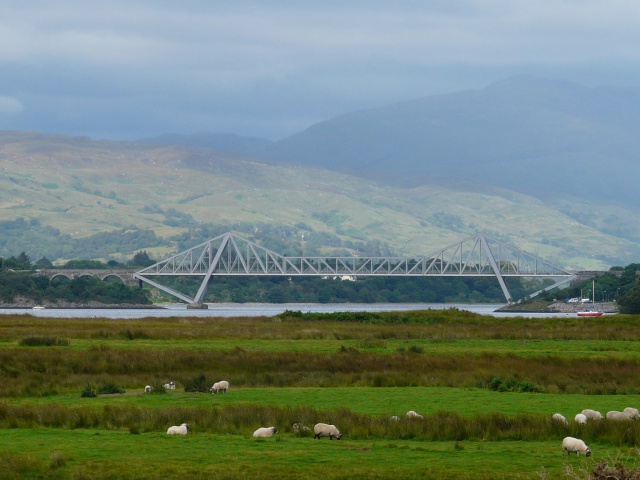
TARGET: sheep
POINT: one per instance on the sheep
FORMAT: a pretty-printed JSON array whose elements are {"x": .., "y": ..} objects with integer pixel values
[
  {"x": 632, "y": 412},
  {"x": 412, "y": 414},
  {"x": 581, "y": 419},
  {"x": 178, "y": 430},
  {"x": 570, "y": 444},
  {"x": 592, "y": 414},
  {"x": 265, "y": 432},
  {"x": 297, "y": 428},
  {"x": 148, "y": 389},
  {"x": 618, "y": 416},
  {"x": 324, "y": 430},
  {"x": 221, "y": 386},
  {"x": 559, "y": 418},
  {"x": 395, "y": 418},
  {"x": 170, "y": 386}
]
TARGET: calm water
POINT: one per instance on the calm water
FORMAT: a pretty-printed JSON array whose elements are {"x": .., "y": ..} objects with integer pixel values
[{"x": 255, "y": 310}]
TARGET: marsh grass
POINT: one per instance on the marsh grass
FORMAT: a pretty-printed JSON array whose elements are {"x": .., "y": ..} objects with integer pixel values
[{"x": 43, "y": 341}]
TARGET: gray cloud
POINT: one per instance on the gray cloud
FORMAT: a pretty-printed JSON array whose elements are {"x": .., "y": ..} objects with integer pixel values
[{"x": 127, "y": 69}]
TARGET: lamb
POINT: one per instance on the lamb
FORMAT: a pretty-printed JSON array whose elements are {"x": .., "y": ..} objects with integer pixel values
[
  {"x": 632, "y": 412},
  {"x": 592, "y": 414},
  {"x": 559, "y": 418},
  {"x": 170, "y": 386},
  {"x": 581, "y": 419},
  {"x": 178, "y": 430},
  {"x": 412, "y": 414},
  {"x": 265, "y": 432},
  {"x": 570, "y": 444},
  {"x": 324, "y": 430},
  {"x": 618, "y": 416},
  {"x": 148, "y": 389},
  {"x": 221, "y": 386}
]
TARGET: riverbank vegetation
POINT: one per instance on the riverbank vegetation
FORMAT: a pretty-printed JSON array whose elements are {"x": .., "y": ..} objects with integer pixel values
[{"x": 486, "y": 386}]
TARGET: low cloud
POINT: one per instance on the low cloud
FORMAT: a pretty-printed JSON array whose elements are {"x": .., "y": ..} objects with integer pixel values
[{"x": 10, "y": 106}]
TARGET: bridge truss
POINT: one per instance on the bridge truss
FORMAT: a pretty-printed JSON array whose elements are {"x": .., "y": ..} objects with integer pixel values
[{"x": 230, "y": 254}]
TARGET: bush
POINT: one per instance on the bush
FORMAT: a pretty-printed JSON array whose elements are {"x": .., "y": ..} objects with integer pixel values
[
  {"x": 109, "y": 388},
  {"x": 198, "y": 384},
  {"x": 497, "y": 385},
  {"x": 88, "y": 392}
]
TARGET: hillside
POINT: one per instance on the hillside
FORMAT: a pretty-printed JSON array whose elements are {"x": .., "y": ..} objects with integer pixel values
[{"x": 74, "y": 195}]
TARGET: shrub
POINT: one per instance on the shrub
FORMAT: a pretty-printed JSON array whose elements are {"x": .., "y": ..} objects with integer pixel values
[
  {"x": 88, "y": 392},
  {"x": 197, "y": 384},
  {"x": 109, "y": 388},
  {"x": 44, "y": 341}
]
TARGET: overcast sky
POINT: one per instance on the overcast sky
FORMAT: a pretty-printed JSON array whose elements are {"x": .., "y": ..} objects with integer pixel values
[{"x": 126, "y": 69}]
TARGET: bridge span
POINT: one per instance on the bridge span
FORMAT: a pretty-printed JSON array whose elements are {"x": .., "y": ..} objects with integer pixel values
[
  {"x": 124, "y": 274},
  {"x": 230, "y": 254}
]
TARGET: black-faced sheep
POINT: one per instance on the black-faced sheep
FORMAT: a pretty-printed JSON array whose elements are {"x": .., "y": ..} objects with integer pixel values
[
  {"x": 265, "y": 432},
  {"x": 178, "y": 430},
  {"x": 148, "y": 389},
  {"x": 325, "y": 430},
  {"x": 570, "y": 444}
]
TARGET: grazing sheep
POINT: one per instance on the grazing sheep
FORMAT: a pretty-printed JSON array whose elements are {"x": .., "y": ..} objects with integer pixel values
[
  {"x": 632, "y": 412},
  {"x": 170, "y": 386},
  {"x": 581, "y": 418},
  {"x": 221, "y": 386},
  {"x": 570, "y": 444},
  {"x": 412, "y": 414},
  {"x": 592, "y": 414},
  {"x": 618, "y": 416},
  {"x": 265, "y": 432},
  {"x": 395, "y": 417},
  {"x": 559, "y": 418},
  {"x": 148, "y": 389},
  {"x": 324, "y": 430},
  {"x": 178, "y": 430}
]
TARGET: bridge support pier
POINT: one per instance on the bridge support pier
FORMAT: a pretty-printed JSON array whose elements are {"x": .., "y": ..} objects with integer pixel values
[{"x": 197, "y": 306}]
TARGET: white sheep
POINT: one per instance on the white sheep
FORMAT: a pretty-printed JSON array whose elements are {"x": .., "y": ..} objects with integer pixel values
[
  {"x": 297, "y": 428},
  {"x": 325, "y": 430},
  {"x": 178, "y": 430},
  {"x": 592, "y": 414},
  {"x": 170, "y": 386},
  {"x": 559, "y": 418},
  {"x": 221, "y": 386},
  {"x": 412, "y": 414},
  {"x": 632, "y": 412},
  {"x": 395, "y": 418},
  {"x": 148, "y": 389},
  {"x": 581, "y": 419},
  {"x": 570, "y": 444},
  {"x": 618, "y": 416},
  {"x": 265, "y": 432}
]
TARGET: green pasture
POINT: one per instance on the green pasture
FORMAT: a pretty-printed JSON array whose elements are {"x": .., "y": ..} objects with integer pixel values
[
  {"x": 356, "y": 374},
  {"x": 382, "y": 401},
  {"x": 54, "y": 453}
]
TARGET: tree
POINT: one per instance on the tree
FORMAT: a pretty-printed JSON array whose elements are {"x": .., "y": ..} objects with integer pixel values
[
  {"x": 630, "y": 303},
  {"x": 141, "y": 259}
]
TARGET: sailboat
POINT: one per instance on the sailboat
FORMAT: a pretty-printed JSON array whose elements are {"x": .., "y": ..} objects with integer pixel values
[{"x": 592, "y": 312}]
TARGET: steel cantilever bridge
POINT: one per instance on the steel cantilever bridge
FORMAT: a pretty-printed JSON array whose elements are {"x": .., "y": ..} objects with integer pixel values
[{"x": 230, "y": 254}]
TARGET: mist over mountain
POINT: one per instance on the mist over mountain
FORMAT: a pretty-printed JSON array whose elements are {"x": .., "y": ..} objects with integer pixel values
[{"x": 542, "y": 137}]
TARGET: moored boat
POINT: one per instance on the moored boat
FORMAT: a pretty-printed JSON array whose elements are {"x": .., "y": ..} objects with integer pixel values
[{"x": 592, "y": 312}]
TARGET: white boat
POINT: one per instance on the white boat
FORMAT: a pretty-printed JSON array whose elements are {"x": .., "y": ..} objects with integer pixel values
[{"x": 591, "y": 312}]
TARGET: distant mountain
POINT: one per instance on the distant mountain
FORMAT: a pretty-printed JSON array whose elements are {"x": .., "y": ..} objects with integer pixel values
[
  {"x": 222, "y": 142},
  {"x": 537, "y": 136},
  {"x": 71, "y": 197}
]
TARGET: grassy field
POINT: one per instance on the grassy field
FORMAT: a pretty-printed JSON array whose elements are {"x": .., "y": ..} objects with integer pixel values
[{"x": 446, "y": 365}]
